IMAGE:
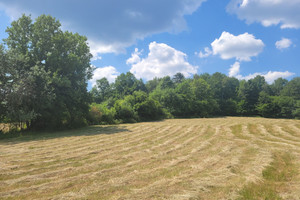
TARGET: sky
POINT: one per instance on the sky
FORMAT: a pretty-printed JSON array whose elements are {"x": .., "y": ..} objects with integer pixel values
[{"x": 156, "y": 38}]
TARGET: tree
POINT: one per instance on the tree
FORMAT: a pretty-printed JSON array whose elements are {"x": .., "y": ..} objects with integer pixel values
[
  {"x": 152, "y": 84},
  {"x": 48, "y": 71},
  {"x": 249, "y": 94},
  {"x": 126, "y": 84},
  {"x": 102, "y": 91},
  {"x": 147, "y": 108},
  {"x": 185, "y": 99},
  {"x": 168, "y": 98},
  {"x": 204, "y": 104},
  {"x": 278, "y": 86},
  {"x": 178, "y": 78},
  {"x": 266, "y": 106},
  {"x": 125, "y": 111},
  {"x": 292, "y": 89},
  {"x": 166, "y": 83},
  {"x": 228, "y": 105},
  {"x": 296, "y": 111},
  {"x": 4, "y": 78}
]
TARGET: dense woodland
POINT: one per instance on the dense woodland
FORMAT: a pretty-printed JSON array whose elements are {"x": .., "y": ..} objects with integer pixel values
[
  {"x": 43, "y": 84},
  {"x": 129, "y": 99}
]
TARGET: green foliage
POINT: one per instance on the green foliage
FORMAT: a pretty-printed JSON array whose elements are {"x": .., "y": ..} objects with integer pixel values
[
  {"x": 147, "y": 108},
  {"x": 102, "y": 91},
  {"x": 292, "y": 89},
  {"x": 278, "y": 86},
  {"x": 45, "y": 74},
  {"x": 126, "y": 84},
  {"x": 168, "y": 99},
  {"x": 296, "y": 111},
  {"x": 249, "y": 93},
  {"x": 166, "y": 83},
  {"x": 276, "y": 106},
  {"x": 95, "y": 115},
  {"x": 178, "y": 78},
  {"x": 101, "y": 114},
  {"x": 202, "y": 96},
  {"x": 43, "y": 84},
  {"x": 125, "y": 112},
  {"x": 152, "y": 84}
]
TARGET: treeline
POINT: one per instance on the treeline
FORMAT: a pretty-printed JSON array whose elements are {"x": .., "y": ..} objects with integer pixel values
[
  {"x": 43, "y": 85},
  {"x": 43, "y": 75},
  {"x": 130, "y": 100}
]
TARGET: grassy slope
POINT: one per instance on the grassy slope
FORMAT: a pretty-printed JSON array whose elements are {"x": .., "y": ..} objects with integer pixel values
[{"x": 223, "y": 158}]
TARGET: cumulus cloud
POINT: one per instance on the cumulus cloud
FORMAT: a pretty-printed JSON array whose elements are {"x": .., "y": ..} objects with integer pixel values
[
  {"x": 283, "y": 43},
  {"x": 270, "y": 76},
  {"x": 135, "y": 57},
  {"x": 234, "y": 70},
  {"x": 241, "y": 47},
  {"x": 162, "y": 60},
  {"x": 108, "y": 72},
  {"x": 113, "y": 25},
  {"x": 267, "y": 12},
  {"x": 207, "y": 52}
]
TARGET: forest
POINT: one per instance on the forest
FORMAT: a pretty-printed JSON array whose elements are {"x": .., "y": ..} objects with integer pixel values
[
  {"x": 43, "y": 85},
  {"x": 130, "y": 100}
]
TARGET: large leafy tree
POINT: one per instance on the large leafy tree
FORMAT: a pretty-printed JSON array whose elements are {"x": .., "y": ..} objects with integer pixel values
[
  {"x": 278, "y": 86},
  {"x": 101, "y": 91},
  {"x": 4, "y": 78},
  {"x": 292, "y": 89},
  {"x": 48, "y": 71},
  {"x": 126, "y": 84},
  {"x": 249, "y": 94}
]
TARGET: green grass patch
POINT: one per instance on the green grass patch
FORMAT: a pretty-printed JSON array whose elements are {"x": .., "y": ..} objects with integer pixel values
[
  {"x": 237, "y": 130},
  {"x": 256, "y": 191},
  {"x": 280, "y": 171}
]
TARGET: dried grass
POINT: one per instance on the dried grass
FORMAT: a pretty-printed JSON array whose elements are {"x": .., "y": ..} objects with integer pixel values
[{"x": 222, "y": 158}]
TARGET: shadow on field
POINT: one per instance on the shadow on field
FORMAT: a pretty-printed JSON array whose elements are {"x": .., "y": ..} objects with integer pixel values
[{"x": 87, "y": 131}]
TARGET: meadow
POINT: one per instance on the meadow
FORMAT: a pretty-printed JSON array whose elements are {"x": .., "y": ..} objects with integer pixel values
[{"x": 218, "y": 158}]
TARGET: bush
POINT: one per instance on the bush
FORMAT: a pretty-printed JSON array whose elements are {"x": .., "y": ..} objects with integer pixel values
[
  {"x": 101, "y": 114},
  {"x": 150, "y": 109},
  {"x": 95, "y": 115},
  {"x": 125, "y": 112}
]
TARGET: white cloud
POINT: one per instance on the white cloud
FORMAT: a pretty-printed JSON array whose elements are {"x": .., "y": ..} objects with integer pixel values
[
  {"x": 135, "y": 57},
  {"x": 162, "y": 60},
  {"x": 234, "y": 70},
  {"x": 270, "y": 76},
  {"x": 111, "y": 26},
  {"x": 267, "y": 12},
  {"x": 207, "y": 52},
  {"x": 241, "y": 47},
  {"x": 108, "y": 72},
  {"x": 283, "y": 43}
]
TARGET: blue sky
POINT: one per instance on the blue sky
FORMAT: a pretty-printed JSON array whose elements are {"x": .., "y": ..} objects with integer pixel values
[{"x": 240, "y": 38}]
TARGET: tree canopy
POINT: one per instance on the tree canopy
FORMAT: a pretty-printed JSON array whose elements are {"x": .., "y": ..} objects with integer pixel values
[
  {"x": 44, "y": 74},
  {"x": 203, "y": 95}
]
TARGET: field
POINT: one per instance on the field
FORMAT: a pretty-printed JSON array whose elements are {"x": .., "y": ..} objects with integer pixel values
[{"x": 221, "y": 158}]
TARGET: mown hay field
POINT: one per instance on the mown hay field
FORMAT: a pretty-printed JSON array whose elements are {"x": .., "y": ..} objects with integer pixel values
[{"x": 221, "y": 158}]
